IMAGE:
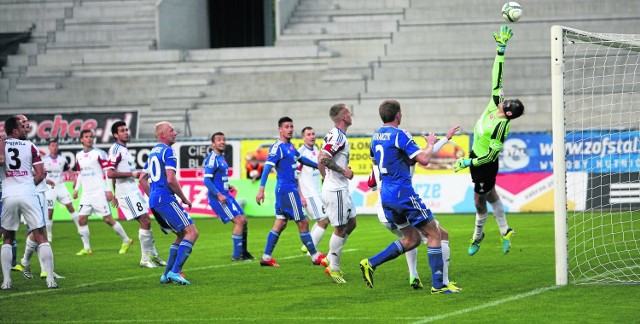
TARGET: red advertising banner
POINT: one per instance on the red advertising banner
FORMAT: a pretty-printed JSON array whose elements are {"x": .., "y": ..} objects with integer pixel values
[{"x": 66, "y": 127}]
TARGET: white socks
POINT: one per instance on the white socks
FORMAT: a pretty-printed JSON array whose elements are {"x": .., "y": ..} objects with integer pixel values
[
  {"x": 498, "y": 212},
  {"x": 83, "y": 230},
  {"x": 50, "y": 229},
  {"x": 446, "y": 255},
  {"x": 6, "y": 254},
  {"x": 29, "y": 248},
  {"x": 147, "y": 245},
  {"x": 412, "y": 262},
  {"x": 480, "y": 220},
  {"x": 336, "y": 244},
  {"x": 316, "y": 234},
  {"x": 118, "y": 229},
  {"x": 45, "y": 254},
  {"x": 74, "y": 218}
]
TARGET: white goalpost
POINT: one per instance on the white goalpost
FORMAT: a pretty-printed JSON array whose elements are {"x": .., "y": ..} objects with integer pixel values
[{"x": 595, "y": 82}]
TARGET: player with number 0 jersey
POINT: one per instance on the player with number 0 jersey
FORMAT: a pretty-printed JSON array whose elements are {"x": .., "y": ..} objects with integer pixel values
[{"x": 160, "y": 182}]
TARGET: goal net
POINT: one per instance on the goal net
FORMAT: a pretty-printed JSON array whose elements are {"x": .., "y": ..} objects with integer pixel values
[{"x": 596, "y": 124}]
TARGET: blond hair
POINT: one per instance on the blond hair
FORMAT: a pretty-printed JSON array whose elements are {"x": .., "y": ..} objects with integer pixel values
[
  {"x": 336, "y": 111},
  {"x": 161, "y": 127}
]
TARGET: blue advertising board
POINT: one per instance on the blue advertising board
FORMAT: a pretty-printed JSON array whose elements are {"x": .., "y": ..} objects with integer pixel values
[{"x": 591, "y": 151}]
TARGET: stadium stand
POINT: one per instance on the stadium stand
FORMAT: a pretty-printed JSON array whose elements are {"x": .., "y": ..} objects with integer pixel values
[{"x": 93, "y": 55}]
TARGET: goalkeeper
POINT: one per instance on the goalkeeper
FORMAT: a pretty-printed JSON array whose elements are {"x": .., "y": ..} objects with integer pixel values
[{"x": 489, "y": 134}]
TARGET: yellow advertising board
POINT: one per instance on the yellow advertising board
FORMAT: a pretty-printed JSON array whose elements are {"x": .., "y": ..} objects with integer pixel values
[{"x": 359, "y": 160}]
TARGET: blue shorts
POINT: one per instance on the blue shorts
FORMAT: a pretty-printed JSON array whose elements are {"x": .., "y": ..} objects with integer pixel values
[
  {"x": 407, "y": 211},
  {"x": 172, "y": 217},
  {"x": 288, "y": 205},
  {"x": 228, "y": 211}
]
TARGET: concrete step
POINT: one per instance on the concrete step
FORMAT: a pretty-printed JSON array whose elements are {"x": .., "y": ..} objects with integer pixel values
[
  {"x": 117, "y": 3},
  {"x": 347, "y": 27},
  {"x": 353, "y": 4},
  {"x": 190, "y": 82},
  {"x": 297, "y": 40},
  {"x": 114, "y": 11},
  {"x": 124, "y": 24},
  {"x": 256, "y": 53},
  {"x": 89, "y": 47},
  {"x": 348, "y": 12},
  {"x": 42, "y": 13},
  {"x": 31, "y": 73},
  {"x": 181, "y": 94},
  {"x": 116, "y": 57},
  {"x": 34, "y": 5},
  {"x": 42, "y": 26},
  {"x": 83, "y": 36},
  {"x": 173, "y": 106},
  {"x": 38, "y": 86}
]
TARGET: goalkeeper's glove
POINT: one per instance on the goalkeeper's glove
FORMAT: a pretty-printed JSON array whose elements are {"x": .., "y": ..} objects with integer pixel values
[
  {"x": 461, "y": 163},
  {"x": 502, "y": 38}
]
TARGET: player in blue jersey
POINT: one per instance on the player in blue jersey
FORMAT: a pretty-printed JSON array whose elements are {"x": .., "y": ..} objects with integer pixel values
[
  {"x": 284, "y": 157},
  {"x": 161, "y": 184},
  {"x": 392, "y": 151},
  {"x": 216, "y": 179},
  {"x": 412, "y": 256}
]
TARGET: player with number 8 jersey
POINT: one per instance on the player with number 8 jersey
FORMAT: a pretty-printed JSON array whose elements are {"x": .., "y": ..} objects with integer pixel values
[{"x": 121, "y": 167}]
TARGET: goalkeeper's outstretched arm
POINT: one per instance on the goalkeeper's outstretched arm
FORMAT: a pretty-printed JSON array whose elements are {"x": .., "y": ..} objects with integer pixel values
[{"x": 501, "y": 39}]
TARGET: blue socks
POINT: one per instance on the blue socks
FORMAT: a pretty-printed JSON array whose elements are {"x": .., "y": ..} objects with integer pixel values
[
  {"x": 237, "y": 245},
  {"x": 14, "y": 249},
  {"x": 308, "y": 242},
  {"x": 392, "y": 251},
  {"x": 272, "y": 240},
  {"x": 173, "y": 253},
  {"x": 436, "y": 264},
  {"x": 184, "y": 250}
]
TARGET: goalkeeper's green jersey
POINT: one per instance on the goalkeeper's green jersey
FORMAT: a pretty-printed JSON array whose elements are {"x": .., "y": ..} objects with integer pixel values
[{"x": 490, "y": 130}]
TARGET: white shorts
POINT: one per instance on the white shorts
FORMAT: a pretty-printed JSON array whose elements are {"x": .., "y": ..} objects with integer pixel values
[
  {"x": 94, "y": 203},
  {"x": 30, "y": 207},
  {"x": 338, "y": 206},
  {"x": 315, "y": 208},
  {"x": 133, "y": 206},
  {"x": 59, "y": 193}
]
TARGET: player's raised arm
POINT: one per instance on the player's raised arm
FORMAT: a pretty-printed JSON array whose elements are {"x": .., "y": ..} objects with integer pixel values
[
  {"x": 501, "y": 38},
  {"x": 424, "y": 157}
]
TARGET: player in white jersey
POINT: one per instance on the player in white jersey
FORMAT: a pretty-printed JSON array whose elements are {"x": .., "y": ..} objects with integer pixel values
[
  {"x": 19, "y": 198},
  {"x": 96, "y": 194},
  {"x": 309, "y": 187},
  {"x": 30, "y": 245},
  {"x": 335, "y": 189},
  {"x": 122, "y": 169},
  {"x": 412, "y": 256},
  {"x": 56, "y": 166}
]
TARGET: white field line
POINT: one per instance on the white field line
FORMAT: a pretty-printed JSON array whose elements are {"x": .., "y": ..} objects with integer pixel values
[
  {"x": 487, "y": 305},
  {"x": 110, "y": 281},
  {"x": 324, "y": 318}
]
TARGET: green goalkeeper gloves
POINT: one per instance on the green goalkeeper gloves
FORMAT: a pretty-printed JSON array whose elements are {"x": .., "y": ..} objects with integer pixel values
[
  {"x": 502, "y": 38},
  {"x": 461, "y": 163}
]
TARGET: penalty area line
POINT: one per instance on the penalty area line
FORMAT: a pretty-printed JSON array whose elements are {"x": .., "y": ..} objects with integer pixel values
[{"x": 487, "y": 305}]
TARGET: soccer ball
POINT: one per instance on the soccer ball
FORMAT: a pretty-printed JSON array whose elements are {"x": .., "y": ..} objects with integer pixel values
[
  {"x": 511, "y": 11},
  {"x": 253, "y": 173}
]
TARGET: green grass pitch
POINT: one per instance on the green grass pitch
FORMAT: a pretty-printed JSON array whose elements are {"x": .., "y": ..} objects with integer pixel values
[{"x": 108, "y": 287}]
